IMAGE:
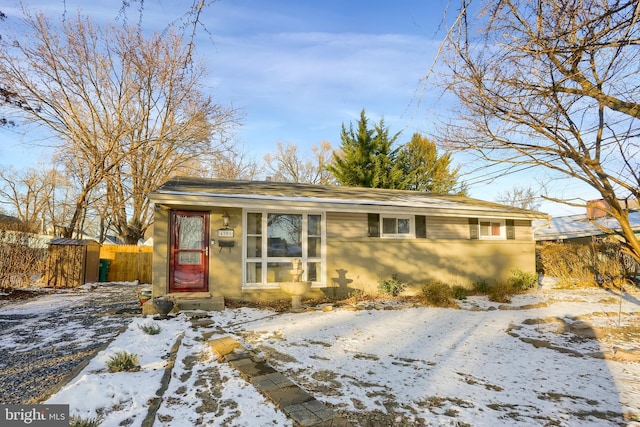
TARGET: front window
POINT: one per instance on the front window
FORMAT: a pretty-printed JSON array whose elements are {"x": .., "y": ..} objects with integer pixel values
[
  {"x": 273, "y": 240},
  {"x": 395, "y": 226},
  {"x": 492, "y": 229}
]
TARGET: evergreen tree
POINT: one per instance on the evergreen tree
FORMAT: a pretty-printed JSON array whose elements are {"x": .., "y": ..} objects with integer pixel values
[
  {"x": 367, "y": 158},
  {"x": 387, "y": 172},
  {"x": 424, "y": 170}
]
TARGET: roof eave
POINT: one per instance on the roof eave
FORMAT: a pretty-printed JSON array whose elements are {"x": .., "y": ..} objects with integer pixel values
[{"x": 299, "y": 203}]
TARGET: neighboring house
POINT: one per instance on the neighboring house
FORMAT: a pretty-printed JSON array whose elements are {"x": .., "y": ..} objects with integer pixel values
[
  {"x": 216, "y": 239},
  {"x": 11, "y": 231},
  {"x": 581, "y": 228},
  {"x": 109, "y": 240}
]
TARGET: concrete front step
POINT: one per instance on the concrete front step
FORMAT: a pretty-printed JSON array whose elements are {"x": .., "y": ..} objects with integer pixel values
[{"x": 207, "y": 304}]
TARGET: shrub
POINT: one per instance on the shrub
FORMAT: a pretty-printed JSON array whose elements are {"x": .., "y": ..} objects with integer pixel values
[
  {"x": 600, "y": 263},
  {"x": 501, "y": 292},
  {"x": 20, "y": 264},
  {"x": 85, "y": 422},
  {"x": 570, "y": 264},
  {"x": 437, "y": 294},
  {"x": 354, "y": 297},
  {"x": 521, "y": 281},
  {"x": 459, "y": 292},
  {"x": 150, "y": 328},
  {"x": 123, "y": 361},
  {"x": 391, "y": 286},
  {"x": 482, "y": 287},
  {"x": 611, "y": 265}
]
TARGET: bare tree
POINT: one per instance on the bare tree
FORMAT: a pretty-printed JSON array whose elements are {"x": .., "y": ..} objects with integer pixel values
[
  {"x": 7, "y": 95},
  {"x": 170, "y": 123},
  {"x": 231, "y": 163},
  {"x": 552, "y": 84},
  {"x": 286, "y": 164},
  {"x": 27, "y": 193},
  {"x": 520, "y": 197},
  {"x": 128, "y": 110}
]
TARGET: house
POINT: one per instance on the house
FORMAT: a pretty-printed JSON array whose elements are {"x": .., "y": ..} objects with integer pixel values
[
  {"x": 580, "y": 228},
  {"x": 216, "y": 239}
]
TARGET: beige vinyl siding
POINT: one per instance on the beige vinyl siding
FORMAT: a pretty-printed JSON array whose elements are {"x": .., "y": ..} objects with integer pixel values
[
  {"x": 523, "y": 230},
  {"x": 360, "y": 264},
  {"x": 439, "y": 227},
  {"x": 350, "y": 225},
  {"x": 347, "y": 225}
]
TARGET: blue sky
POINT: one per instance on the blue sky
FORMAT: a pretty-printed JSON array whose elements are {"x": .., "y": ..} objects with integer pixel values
[{"x": 300, "y": 69}]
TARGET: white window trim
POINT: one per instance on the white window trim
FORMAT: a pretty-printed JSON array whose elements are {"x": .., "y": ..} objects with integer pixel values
[
  {"x": 503, "y": 229},
  {"x": 412, "y": 228},
  {"x": 264, "y": 260}
]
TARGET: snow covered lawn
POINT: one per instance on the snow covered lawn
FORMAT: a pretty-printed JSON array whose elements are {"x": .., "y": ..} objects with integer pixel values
[{"x": 537, "y": 361}]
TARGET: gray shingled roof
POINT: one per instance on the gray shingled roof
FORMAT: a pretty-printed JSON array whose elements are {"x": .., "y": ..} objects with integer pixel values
[
  {"x": 181, "y": 188},
  {"x": 71, "y": 242}
]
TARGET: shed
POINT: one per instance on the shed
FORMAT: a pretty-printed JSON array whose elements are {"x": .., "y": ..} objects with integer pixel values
[{"x": 72, "y": 262}]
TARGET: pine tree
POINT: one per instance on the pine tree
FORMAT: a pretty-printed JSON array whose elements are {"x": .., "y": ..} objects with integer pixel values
[{"x": 367, "y": 157}]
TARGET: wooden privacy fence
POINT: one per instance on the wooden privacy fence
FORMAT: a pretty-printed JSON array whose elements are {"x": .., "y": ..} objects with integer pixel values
[{"x": 128, "y": 263}]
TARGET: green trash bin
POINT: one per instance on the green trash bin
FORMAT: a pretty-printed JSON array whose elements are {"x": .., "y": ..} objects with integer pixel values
[{"x": 104, "y": 269}]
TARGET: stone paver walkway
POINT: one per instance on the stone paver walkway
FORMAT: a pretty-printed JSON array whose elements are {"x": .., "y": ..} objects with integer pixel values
[{"x": 299, "y": 405}]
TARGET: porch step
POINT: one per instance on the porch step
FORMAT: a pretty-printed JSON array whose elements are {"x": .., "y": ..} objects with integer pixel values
[
  {"x": 188, "y": 295},
  {"x": 210, "y": 303}
]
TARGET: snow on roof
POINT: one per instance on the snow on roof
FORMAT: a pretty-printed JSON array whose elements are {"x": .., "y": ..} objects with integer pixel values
[{"x": 574, "y": 226}]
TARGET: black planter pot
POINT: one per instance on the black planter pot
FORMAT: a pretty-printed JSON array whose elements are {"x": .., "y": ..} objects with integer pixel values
[{"x": 162, "y": 306}]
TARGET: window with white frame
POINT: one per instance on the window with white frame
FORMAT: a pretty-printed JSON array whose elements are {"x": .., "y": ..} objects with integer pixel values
[
  {"x": 274, "y": 239},
  {"x": 492, "y": 229},
  {"x": 396, "y": 226}
]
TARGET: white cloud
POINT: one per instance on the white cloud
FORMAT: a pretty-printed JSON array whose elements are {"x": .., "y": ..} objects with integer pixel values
[{"x": 317, "y": 81}]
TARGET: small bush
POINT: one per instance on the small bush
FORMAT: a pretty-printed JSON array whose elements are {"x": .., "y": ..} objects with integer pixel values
[
  {"x": 521, "y": 281},
  {"x": 123, "y": 361},
  {"x": 501, "y": 292},
  {"x": 459, "y": 292},
  {"x": 438, "y": 294},
  {"x": 150, "y": 328},
  {"x": 85, "y": 422},
  {"x": 482, "y": 287},
  {"x": 354, "y": 297},
  {"x": 393, "y": 286}
]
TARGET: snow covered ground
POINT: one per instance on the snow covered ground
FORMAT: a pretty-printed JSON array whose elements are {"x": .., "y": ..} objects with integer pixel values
[{"x": 532, "y": 362}]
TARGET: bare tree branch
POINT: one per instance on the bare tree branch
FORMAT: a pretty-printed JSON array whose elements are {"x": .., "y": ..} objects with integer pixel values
[
  {"x": 124, "y": 110},
  {"x": 553, "y": 84},
  {"x": 286, "y": 164}
]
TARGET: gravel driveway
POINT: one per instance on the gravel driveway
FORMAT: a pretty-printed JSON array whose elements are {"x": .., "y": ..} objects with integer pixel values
[{"x": 45, "y": 338}]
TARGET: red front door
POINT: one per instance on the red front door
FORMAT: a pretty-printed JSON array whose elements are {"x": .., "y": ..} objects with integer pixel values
[{"x": 189, "y": 264}]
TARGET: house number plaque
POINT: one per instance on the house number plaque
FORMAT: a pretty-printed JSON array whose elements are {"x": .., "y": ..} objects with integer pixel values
[{"x": 225, "y": 233}]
